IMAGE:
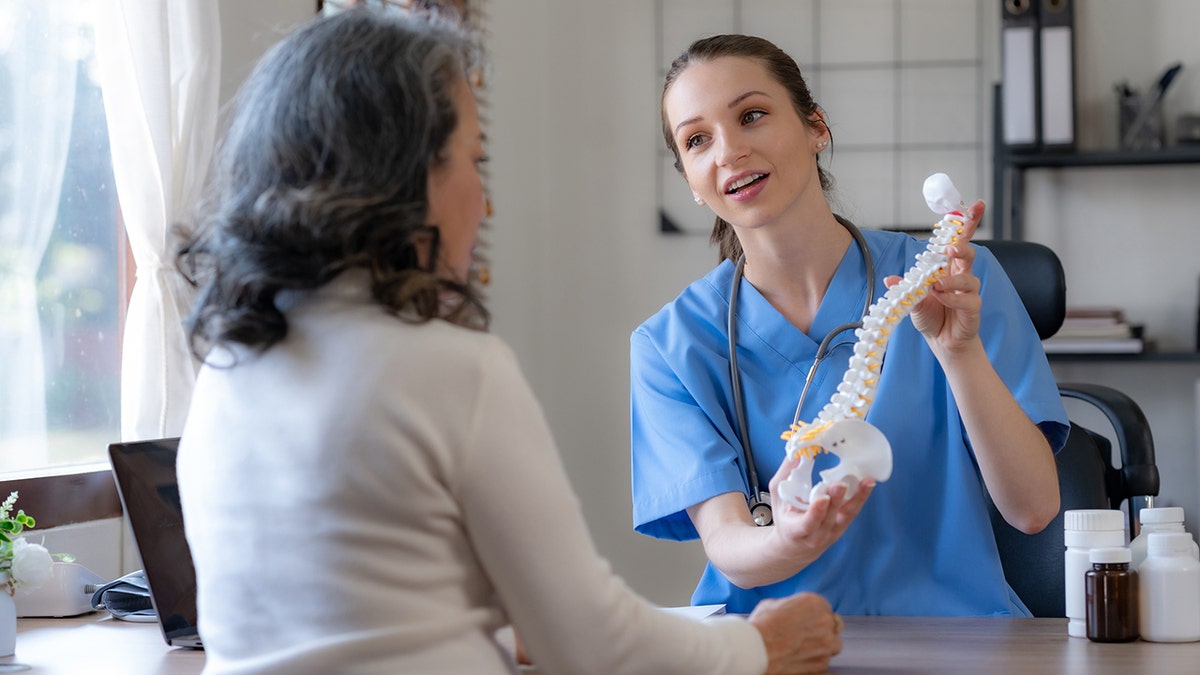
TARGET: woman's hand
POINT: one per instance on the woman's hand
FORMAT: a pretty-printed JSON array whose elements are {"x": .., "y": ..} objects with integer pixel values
[
  {"x": 801, "y": 633},
  {"x": 749, "y": 555},
  {"x": 810, "y": 532},
  {"x": 948, "y": 316}
]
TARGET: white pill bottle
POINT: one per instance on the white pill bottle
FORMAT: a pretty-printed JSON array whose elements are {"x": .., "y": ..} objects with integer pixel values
[
  {"x": 1169, "y": 597},
  {"x": 1083, "y": 530}
]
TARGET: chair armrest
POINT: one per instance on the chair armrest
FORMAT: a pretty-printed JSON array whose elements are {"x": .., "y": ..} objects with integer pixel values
[{"x": 1138, "y": 472}]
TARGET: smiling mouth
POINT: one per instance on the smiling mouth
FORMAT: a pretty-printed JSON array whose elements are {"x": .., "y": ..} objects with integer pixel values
[{"x": 742, "y": 184}]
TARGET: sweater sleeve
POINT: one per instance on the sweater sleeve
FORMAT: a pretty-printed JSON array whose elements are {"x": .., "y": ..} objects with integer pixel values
[{"x": 573, "y": 614}]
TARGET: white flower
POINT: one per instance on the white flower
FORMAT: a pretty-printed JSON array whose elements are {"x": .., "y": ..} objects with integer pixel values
[{"x": 31, "y": 563}]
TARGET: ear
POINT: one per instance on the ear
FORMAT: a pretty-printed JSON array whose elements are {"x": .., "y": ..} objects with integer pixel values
[{"x": 819, "y": 128}]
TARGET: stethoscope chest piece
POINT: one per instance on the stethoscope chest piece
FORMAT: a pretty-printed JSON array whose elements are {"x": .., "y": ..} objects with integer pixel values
[{"x": 760, "y": 511}]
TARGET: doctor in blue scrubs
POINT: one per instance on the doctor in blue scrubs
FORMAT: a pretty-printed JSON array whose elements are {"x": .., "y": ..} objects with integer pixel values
[{"x": 966, "y": 397}]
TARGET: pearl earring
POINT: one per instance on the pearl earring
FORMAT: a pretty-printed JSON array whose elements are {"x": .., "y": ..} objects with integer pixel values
[
  {"x": 698, "y": 200},
  {"x": 822, "y": 144}
]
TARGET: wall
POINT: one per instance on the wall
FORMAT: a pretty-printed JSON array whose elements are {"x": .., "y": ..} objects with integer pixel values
[
  {"x": 1126, "y": 235},
  {"x": 577, "y": 262}
]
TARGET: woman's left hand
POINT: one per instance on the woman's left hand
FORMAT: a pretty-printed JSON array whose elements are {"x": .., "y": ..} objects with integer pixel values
[{"x": 948, "y": 316}]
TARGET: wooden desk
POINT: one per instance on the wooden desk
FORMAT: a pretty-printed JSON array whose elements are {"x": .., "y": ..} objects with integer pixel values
[
  {"x": 97, "y": 643},
  {"x": 981, "y": 645}
]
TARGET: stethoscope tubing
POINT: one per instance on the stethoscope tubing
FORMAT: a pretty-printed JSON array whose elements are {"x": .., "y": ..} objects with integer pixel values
[{"x": 751, "y": 471}]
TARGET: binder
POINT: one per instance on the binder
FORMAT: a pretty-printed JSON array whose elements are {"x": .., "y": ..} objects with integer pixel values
[
  {"x": 1019, "y": 72},
  {"x": 1056, "y": 55}
]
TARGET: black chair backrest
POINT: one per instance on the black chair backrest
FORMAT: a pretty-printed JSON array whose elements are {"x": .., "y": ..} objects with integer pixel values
[
  {"x": 1087, "y": 479},
  {"x": 1034, "y": 564},
  {"x": 1037, "y": 274}
]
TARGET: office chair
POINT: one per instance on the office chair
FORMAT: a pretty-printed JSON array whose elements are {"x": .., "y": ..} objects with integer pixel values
[{"x": 1034, "y": 564}]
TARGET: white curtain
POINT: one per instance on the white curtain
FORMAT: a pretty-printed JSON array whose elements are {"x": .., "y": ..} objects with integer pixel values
[
  {"x": 159, "y": 63},
  {"x": 37, "y": 93}
]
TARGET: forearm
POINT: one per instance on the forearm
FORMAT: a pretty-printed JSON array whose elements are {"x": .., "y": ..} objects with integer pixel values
[
  {"x": 573, "y": 613},
  {"x": 1013, "y": 454},
  {"x": 748, "y": 555}
]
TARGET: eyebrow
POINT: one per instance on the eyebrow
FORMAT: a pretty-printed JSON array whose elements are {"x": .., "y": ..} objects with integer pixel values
[{"x": 732, "y": 104}]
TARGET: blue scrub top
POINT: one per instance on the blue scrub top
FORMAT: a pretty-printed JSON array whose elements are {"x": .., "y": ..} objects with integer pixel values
[{"x": 923, "y": 543}]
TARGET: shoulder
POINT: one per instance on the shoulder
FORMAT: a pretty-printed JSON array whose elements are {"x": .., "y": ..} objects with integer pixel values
[
  {"x": 340, "y": 320},
  {"x": 889, "y": 247},
  {"x": 704, "y": 302}
]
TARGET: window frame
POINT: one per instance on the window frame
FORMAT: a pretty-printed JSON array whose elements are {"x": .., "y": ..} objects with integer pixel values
[{"x": 77, "y": 493}]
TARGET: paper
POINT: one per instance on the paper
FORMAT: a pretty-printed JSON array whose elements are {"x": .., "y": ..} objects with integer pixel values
[{"x": 696, "y": 612}]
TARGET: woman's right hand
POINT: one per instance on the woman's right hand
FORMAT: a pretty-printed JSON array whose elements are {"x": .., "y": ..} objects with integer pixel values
[
  {"x": 749, "y": 555},
  {"x": 801, "y": 633},
  {"x": 810, "y": 531}
]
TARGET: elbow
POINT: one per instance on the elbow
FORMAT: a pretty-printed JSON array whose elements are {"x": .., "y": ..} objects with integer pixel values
[{"x": 1034, "y": 519}]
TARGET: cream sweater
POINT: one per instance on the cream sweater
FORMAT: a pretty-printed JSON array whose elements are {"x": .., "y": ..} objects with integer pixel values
[{"x": 372, "y": 496}]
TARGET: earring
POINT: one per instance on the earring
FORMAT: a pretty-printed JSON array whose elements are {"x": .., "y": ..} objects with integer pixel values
[
  {"x": 698, "y": 200},
  {"x": 821, "y": 145}
]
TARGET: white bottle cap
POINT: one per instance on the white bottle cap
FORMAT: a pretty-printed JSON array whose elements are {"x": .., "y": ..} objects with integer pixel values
[
  {"x": 1090, "y": 528},
  {"x": 1093, "y": 520},
  {"x": 1162, "y": 514},
  {"x": 1168, "y": 543},
  {"x": 1109, "y": 555}
]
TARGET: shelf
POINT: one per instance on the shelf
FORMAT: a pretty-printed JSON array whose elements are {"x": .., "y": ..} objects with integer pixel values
[
  {"x": 1144, "y": 357},
  {"x": 1008, "y": 170},
  {"x": 1182, "y": 154}
]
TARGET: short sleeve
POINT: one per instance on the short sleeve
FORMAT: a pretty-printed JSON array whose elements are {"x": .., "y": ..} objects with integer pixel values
[
  {"x": 681, "y": 442},
  {"x": 1016, "y": 352}
]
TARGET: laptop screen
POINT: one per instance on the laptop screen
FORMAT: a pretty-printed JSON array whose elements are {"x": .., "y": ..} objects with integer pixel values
[{"x": 145, "y": 475}]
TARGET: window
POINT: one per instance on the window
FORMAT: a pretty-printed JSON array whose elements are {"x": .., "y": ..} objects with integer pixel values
[{"x": 61, "y": 247}]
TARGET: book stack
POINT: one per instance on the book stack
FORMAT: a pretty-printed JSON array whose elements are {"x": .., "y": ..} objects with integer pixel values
[{"x": 1096, "y": 330}]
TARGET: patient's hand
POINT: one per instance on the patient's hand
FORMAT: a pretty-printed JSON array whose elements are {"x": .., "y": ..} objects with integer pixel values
[{"x": 801, "y": 633}]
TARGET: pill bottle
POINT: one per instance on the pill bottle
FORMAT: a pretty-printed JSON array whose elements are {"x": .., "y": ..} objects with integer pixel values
[
  {"x": 1162, "y": 519},
  {"x": 1111, "y": 596},
  {"x": 1085, "y": 529},
  {"x": 1169, "y": 597}
]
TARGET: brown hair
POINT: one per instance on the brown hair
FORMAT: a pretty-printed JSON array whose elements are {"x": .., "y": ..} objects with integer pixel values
[
  {"x": 325, "y": 169},
  {"x": 781, "y": 67}
]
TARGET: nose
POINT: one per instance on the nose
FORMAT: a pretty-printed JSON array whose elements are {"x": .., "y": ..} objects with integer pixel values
[{"x": 731, "y": 148}]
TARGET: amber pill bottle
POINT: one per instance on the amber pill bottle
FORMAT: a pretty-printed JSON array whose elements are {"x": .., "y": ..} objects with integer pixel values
[{"x": 1111, "y": 596}]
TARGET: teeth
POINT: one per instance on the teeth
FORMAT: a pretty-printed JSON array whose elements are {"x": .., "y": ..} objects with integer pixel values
[{"x": 744, "y": 182}]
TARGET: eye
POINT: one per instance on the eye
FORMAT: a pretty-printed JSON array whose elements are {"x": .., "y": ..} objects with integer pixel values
[
  {"x": 694, "y": 140},
  {"x": 752, "y": 116}
]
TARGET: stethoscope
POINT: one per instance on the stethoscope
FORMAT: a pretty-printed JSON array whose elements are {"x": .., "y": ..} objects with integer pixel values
[{"x": 760, "y": 500}]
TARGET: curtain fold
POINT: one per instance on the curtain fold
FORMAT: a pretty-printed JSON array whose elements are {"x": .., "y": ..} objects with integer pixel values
[
  {"x": 159, "y": 63},
  {"x": 37, "y": 93}
]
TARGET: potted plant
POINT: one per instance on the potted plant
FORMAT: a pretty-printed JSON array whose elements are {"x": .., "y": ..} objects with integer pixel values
[{"x": 21, "y": 564}]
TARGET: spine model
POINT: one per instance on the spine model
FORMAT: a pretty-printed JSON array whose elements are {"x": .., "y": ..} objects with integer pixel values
[{"x": 841, "y": 427}]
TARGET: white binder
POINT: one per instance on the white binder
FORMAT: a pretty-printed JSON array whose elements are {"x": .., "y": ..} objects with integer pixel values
[
  {"x": 1056, "y": 53},
  {"x": 1019, "y": 54}
]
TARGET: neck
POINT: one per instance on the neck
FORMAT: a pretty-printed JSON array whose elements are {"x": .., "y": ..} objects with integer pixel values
[{"x": 793, "y": 269}]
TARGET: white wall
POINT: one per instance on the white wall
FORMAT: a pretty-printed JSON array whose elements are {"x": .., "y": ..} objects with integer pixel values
[
  {"x": 1127, "y": 236},
  {"x": 577, "y": 261}
]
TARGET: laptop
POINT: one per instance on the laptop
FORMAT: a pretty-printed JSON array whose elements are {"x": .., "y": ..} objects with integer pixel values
[{"x": 149, "y": 491}]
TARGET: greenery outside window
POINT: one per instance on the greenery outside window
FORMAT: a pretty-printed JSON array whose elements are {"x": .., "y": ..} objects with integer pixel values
[{"x": 61, "y": 243}]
